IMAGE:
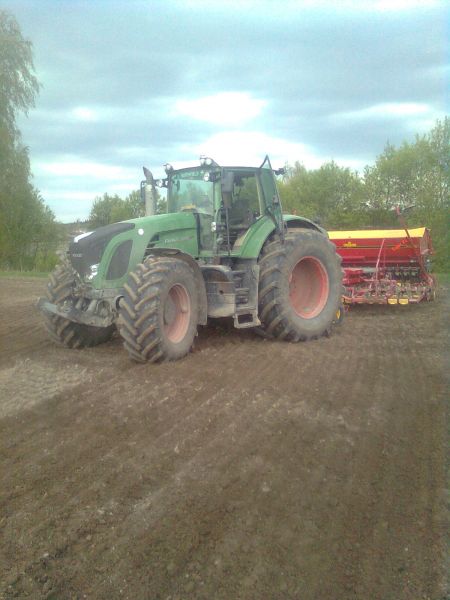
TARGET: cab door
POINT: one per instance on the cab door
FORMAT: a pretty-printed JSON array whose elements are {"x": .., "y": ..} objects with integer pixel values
[{"x": 271, "y": 196}]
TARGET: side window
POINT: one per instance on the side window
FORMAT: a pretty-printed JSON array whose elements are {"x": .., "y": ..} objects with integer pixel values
[
  {"x": 245, "y": 201},
  {"x": 271, "y": 197},
  {"x": 269, "y": 187}
]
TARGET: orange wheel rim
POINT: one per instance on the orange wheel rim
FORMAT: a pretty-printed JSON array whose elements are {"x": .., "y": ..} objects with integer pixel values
[
  {"x": 177, "y": 313},
  {"x": 308, "y": 287}
]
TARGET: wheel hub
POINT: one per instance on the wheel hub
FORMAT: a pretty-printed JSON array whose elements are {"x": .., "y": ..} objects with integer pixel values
[
  {"x": 308, "y": 287},
  {"x": 177, "y": 313}
]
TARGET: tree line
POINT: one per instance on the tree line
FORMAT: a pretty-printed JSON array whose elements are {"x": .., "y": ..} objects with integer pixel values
[
  {"x": 414, "y": 176},
  {"x": 27, "y": 226},
  {"x": 108, "y": 208}
]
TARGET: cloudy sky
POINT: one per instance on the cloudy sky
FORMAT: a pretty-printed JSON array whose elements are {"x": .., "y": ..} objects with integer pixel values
[{"x": 148, "y": 82}]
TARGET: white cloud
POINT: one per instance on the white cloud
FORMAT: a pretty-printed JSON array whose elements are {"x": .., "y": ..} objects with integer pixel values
[
  {"x": 268, "y": 71},
  {"x": 82, "y": 113},
  {"x": 365, "y": 5},
  {"x": 418, "y": 117},
  {"x": 72, "y": 205},
  {"x": 248, "y": 148},
  {"x": 77, "y": 169},
  {"x": 295, "y": 5},
  {"x": 69, "y": 206},
  {"x": 56, "y": 195},
  {"x": 397, "y": 5},
  {"x": 225, "y": 108},
  {"x": 75, "y": 184},
  {"x": 388, "y": 109}
]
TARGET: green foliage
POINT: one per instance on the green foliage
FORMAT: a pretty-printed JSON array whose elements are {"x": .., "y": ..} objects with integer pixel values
[
  {"x": 28, "y": 233},
  {"x": 111, "y": 209},
  {"x": 330, "y": 195},
  {"x": 443, "y": 278},
  {"x": 416, "y": 176},
  {"x": 43, "y": 274},
  {"x": 102, "y": 210},
  {"x": 18, "y": 85}
]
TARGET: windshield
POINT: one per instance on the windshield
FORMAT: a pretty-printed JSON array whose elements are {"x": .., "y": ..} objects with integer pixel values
[{"x": 188, "y": 190}]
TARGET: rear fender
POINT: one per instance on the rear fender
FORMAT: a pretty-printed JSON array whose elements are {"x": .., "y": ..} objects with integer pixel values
[
  {"x": 294, "y": 222},
  {"x": 187, "y": 258},
  {"x": 251, "y": 244}
]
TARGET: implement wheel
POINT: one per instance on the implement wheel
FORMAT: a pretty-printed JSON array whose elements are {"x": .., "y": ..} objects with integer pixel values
[
  {"x": 62, "y": 331},
  {"x": 340, "y": 314},
  {"x": 300, "y": 287},
  {"x": 158, "y": 312}
]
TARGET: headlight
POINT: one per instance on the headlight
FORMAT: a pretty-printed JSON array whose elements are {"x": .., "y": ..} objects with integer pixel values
[
  {"x": 205, "y": 161},
  {"x": 93, "y": 270},
  {"x": 81, "y": 236}
]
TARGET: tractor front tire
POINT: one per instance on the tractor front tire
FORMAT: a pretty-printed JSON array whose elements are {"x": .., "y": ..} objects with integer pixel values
[
  {"x": 158, "y": 314},
  {"x": 63, "y": 331},
  {"x": 300, "y": 286}
]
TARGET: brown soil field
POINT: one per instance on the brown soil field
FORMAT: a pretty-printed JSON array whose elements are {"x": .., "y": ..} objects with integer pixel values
[{"x": 251, "y": 469}]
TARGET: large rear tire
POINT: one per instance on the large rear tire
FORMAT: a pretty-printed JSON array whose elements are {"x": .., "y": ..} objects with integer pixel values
[
  {"x": 300, "y": 286},
  {"x": 158, "y": 313},
  {"x": 62, "y": 331}
]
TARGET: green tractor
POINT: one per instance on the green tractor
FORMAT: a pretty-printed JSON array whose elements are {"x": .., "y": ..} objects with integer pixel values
[{"x": 224, "y": 249}]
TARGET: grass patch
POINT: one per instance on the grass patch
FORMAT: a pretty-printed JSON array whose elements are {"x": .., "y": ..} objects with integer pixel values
[
  {"x": 443, "y": 278},
  {"x": 23, "y": 274}
]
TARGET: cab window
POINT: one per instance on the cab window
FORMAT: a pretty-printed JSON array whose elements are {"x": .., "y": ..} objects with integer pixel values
[
  {"x": 245, "y": 204},
  {"x": 190, "y": 191}
]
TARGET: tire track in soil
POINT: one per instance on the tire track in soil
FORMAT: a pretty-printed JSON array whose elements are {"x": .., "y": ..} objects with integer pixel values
[
  {"x": 384, "y": 471},
  {"x": 290, "y": 460},
  {"x": 206, "y": 451},
  {"x": 272, "y": 407},
  {"x": 81, "y": 457},
  {"x": 255, "y": 374}
]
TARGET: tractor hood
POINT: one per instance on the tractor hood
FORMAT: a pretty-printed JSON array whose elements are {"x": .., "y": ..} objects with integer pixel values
[
  {"x": 87, "y": 249},
  {"x": 105, "y": 256}
]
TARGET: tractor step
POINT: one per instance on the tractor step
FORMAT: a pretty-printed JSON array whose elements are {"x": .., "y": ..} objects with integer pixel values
[
  {"x": 242, "y": 296},
  {"x": 245, "y": 317},
  {"x": 246, "y": 311}
]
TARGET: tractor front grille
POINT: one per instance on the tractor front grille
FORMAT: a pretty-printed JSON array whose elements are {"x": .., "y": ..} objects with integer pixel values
[{"x": 89, "y": 249}]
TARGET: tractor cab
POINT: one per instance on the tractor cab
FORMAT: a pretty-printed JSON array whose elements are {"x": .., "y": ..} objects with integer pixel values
[{"x": 226, "y": 201}]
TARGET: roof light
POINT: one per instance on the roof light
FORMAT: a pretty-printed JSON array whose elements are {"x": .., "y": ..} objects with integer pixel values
[{"x": 205, "y": 161}]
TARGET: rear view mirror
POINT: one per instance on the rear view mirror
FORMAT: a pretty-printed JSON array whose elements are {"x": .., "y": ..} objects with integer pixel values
[{"x": 281, "y": 171}]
